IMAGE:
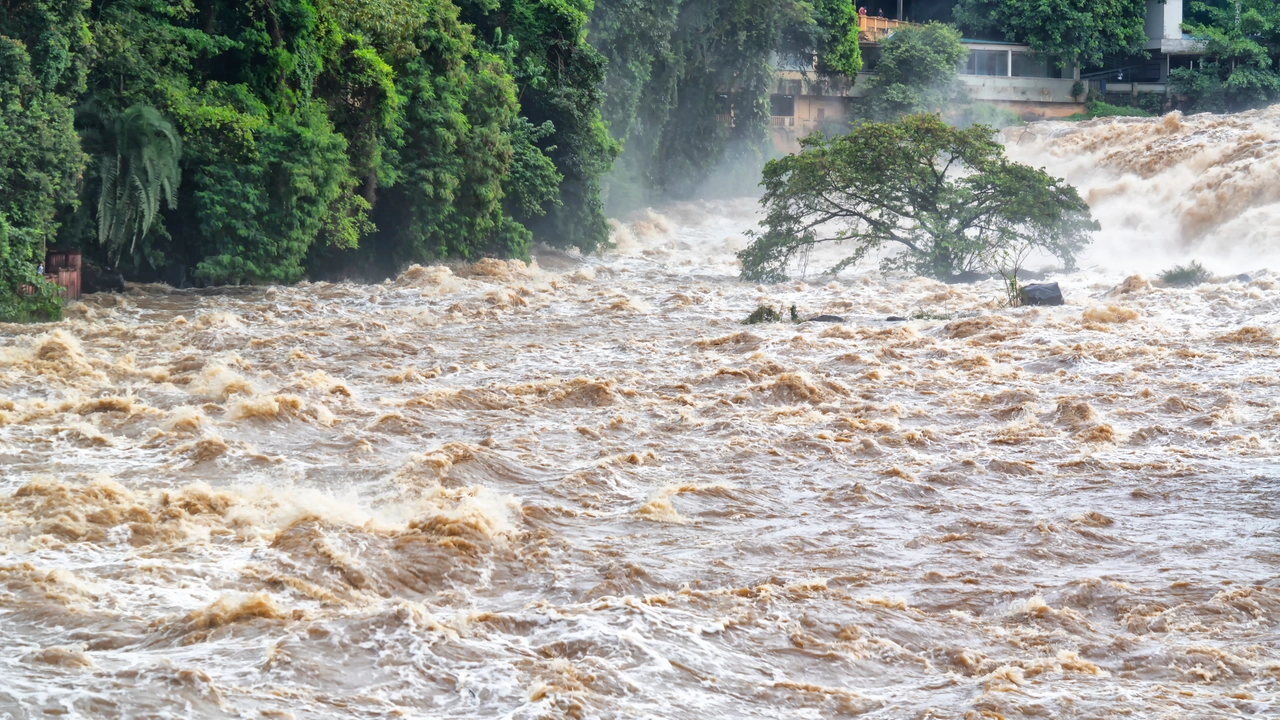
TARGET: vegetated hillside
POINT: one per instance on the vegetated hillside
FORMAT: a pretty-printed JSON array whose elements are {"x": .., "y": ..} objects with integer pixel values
[{"x": 264, "y": 141}]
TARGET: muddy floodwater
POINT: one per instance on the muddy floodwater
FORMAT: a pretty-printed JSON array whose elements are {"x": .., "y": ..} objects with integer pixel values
[{"x": 584, "y": 489}]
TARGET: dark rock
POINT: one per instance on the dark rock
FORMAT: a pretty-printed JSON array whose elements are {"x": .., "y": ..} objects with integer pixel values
[
  {"x": 96, "y": 280},
  {"x": 895, "y": 318},
  {"x": 1040, "y": 294},
  {"x": 1244, "y": 277},
  {"x": 826, "y": 318},
  {"x": 1031, "y": 274},
  {"x": 967, "y": 276}
]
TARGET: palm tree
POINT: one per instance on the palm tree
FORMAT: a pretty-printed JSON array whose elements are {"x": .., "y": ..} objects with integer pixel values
[{"x": 138, "y": 168}]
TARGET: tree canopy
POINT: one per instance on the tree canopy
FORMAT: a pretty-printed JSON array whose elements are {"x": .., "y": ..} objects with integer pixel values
[
  {"x": 678, "y": 68},
  {"x": 949, "y": 199},
  {"x": 917, "y": 72},
  {"x": 1084, "y": 30},
  {"x": 1241, "y": 42},
  {"x": 258, "y": 142}
]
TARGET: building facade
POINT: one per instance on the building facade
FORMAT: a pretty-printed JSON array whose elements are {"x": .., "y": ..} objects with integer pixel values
[{"x": 1004, "y": 74}]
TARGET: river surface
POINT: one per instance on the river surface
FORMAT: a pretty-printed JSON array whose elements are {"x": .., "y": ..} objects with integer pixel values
[{"x": 584, "y": 489}]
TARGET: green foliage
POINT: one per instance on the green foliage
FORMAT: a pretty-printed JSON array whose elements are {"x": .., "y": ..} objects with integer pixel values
[
  {"x": 824, "y": 36},
  {"x": 1077, "y": 89},
  {"x": 327, "y": 137},
  {"x": 137, "y": 170},
  {"x": 531, "y": 184},
  {"x": 1101, "y": 109},
  {"x": 763, "y": 314},
  {"x": 917, "y": 72},
  {"x": 559, "y": 79},
  {"x": 42, "y": 48},
  {"x": 1152, "y": 103},
  {"x": 1084, "y": 30},
  {"x": 1189, "y": 275},
  {"x": 43, "y": 306},
  {"x": 838, "y": 49},
  {"x": 441, "y": 184},
  {"x": 310, "y": 135},
  {"x": 981, "y": 113},
  {"x": 1097, "y": 109},
  {"x": 949, "y": 198},
  {"x": 675, "y": 65},
  {"x": 24, "y": 295},
  {"x": 258, "y": 218},
  {"x": 1238, "y": 70}
]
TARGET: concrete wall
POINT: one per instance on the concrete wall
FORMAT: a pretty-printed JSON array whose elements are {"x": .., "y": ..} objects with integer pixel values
[
  {"x": 786, "y": 132},
  {"x": 1031, "y": 111},
  {"x": 1164, "y": 22},
  {"x": 990, "y": 88},
  {"x": 1115, "y": 88}
]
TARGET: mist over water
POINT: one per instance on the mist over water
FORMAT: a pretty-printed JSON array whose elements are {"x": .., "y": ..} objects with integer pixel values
[{"x": 584, "y": 489}]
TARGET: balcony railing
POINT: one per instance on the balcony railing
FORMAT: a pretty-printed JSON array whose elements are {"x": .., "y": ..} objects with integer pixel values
[{"x": 875, "y": 29}]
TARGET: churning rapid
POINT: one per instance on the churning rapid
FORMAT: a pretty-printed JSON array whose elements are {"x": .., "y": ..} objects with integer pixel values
[{"x": 583, "y": 489}]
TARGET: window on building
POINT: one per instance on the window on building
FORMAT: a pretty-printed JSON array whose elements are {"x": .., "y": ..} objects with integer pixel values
[
  {"x": 1026, "y": 65},
  {"x": 870, "y": 57},
  {"x": 782, "y": 105},
  {"x": 822, "y": 114},
  {"x": 986, "y": 62}
]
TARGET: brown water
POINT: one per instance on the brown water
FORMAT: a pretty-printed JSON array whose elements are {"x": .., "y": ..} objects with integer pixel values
[{"x": 584, "y": 489}]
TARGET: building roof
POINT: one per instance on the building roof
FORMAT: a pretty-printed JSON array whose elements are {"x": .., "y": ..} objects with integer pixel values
[{"x": 969, "y": 41}]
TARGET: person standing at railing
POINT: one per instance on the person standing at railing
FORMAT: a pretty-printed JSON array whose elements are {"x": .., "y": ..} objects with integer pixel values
[{"x": 862, "y": 13}]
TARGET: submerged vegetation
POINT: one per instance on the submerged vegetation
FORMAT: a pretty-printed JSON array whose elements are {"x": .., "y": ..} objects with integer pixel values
[
  {"x": 1189, "y": 275},
  {"x": 766, "y": 314},
  {"x": 1097, "y": 109},
  {"x": 763, "y": 314}
]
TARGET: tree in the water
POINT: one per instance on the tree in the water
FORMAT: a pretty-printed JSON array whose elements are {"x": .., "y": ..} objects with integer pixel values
[
  {"x": 137, "y": 170},
  {"x": 949, "y": 199}
]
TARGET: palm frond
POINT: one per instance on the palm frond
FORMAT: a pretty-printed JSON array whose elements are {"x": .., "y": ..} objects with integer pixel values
[{"x": 142, "y": 171}]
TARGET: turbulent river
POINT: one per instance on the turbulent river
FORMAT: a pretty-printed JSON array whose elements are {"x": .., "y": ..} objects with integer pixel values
[{"x": 583, "y": 489}]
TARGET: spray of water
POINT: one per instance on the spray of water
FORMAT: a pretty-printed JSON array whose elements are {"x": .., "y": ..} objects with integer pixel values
[{"x": 1170, "y": 189}]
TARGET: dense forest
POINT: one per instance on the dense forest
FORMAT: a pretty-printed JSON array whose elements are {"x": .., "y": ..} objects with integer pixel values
[
  {"x": 269, "y": 140},
  {"x": 272, "y": 140}
]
